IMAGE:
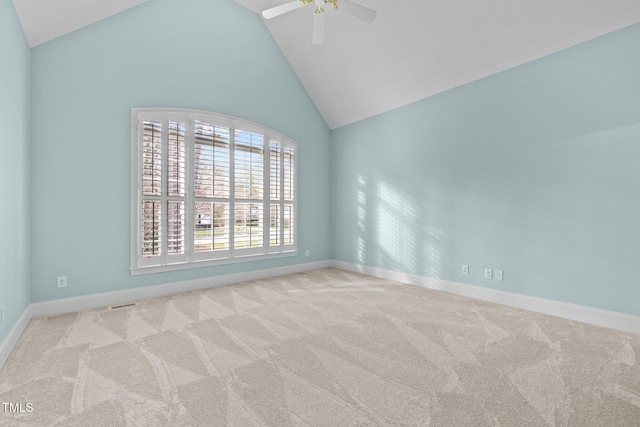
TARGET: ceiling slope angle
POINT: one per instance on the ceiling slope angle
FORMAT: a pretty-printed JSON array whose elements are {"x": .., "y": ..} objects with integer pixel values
[
  {"x": 415, "y": 49},
  {"x": 45, "y": 20}
]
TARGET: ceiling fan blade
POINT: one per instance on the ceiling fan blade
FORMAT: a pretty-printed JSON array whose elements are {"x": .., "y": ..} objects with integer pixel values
[
  {"x": 318, "y": 28},
  {"x": 282, "y": 9},
  {"x": 363, "y": 13}
]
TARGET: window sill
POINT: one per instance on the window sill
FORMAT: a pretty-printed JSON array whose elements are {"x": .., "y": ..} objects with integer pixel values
[{"x": 135, "y": 271}]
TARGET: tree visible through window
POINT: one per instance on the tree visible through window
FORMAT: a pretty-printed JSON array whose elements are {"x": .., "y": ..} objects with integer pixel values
[{"x": 209, "y": 188}]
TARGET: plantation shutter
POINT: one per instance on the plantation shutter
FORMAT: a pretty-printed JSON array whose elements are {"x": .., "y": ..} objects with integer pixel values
[
  {"x": 275, "y": 195},
  {"x": 282, "y": 169},
  {"x": 289, "y": 170},
  {"x": 212, "y": 178},
  {"x": 150, "y": 234},
  {"x": 208, "y": 188},
  {"x": 249, "y": 212},
  {"x": 175, "y": 201}
]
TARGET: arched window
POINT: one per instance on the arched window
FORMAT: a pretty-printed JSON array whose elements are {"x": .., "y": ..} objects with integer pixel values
[{"x": 207, "y": 188}]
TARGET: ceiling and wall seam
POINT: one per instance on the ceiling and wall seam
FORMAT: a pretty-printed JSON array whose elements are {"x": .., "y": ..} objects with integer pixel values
[{"x": 412, "y": 51}]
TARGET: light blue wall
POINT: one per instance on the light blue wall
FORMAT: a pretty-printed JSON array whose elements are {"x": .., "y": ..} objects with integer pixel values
[
  {"x": 14, "y": 167},
  {"x": 202, "y": 54},
  {"x": 535, "y": 171}
]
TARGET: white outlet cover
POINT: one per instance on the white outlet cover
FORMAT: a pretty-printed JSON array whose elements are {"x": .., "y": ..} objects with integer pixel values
[
  {"x": 498, "y": 274},
  {"x": 465, "y": 269},
  {"x": 488, "y": 273}
]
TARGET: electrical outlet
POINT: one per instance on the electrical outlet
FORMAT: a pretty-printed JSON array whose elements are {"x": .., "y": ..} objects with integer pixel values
[
  {"x": 488, "y": 273},
  {"x": 465, "y": 269},
  {"x": 62, "y": 282},
  {"x": 497, "y": 274},
  {"x": 306, "y": 252}
]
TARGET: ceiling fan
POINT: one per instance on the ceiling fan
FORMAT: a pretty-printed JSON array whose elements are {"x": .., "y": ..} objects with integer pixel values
[{"x": 363, "y": 13}]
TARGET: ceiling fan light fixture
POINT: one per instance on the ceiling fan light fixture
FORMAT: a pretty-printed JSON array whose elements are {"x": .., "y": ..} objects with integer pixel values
[{"x": 353, "y": 9}]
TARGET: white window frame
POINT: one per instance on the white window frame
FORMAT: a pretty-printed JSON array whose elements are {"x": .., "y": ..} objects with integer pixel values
[{"x": 191, "y": 259}]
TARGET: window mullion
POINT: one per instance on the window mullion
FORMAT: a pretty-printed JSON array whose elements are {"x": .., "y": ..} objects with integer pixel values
[
  {"x": 189, "y": 152},
  {"x": 294, "y": 179},
  {"x": 232, "y": 188},
  {"x": 266, "y": 193},
  {"x": 281, "y": 195},
  {"x": 211, "y": 199},
  {"x": 138, "y": 204},
  {"x": 164, "y": 211}
]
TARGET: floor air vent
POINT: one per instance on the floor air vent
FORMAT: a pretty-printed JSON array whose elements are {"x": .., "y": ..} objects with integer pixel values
[{"x": 115, "y": 307}]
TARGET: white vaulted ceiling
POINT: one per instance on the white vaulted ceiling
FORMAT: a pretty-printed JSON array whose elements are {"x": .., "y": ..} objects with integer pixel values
[
  {"x": 417, "y": 48},
  {"x": 414, "y": 49},
  {"x": 44, "y": 20}
]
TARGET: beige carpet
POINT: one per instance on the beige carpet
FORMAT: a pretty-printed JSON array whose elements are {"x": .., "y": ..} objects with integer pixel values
[{"x": 325, "y": 348}]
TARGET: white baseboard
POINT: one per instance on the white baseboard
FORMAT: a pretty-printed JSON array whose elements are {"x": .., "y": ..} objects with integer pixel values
[
  {"x": 11, "y": 339},
  {"x": 608, "y": 319},
  {"x": 65, "y": 305}
]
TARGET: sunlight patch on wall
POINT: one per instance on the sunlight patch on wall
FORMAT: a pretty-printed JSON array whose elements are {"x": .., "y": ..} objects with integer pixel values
[
  {"x": 362, "y": 219},
  {"x": 396, "y": 221}
]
